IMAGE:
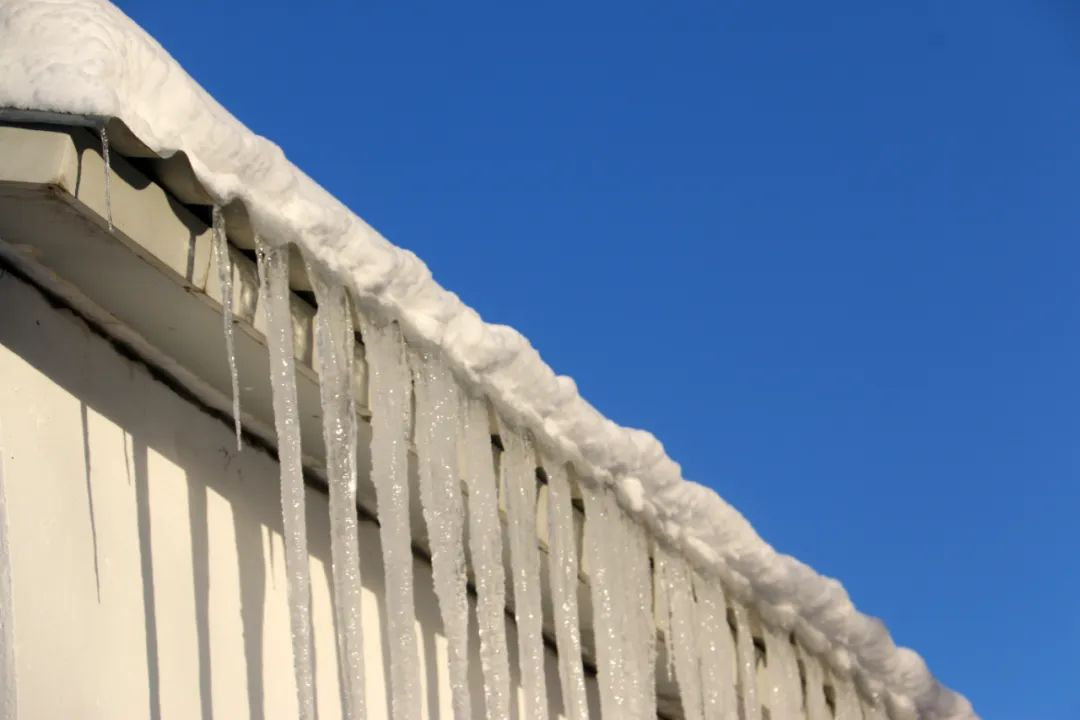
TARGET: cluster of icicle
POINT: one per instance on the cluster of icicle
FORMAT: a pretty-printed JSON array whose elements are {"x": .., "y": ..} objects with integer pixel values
[
  {"x": 86, "y": 58},
  {"x": 640, "y": 589}
]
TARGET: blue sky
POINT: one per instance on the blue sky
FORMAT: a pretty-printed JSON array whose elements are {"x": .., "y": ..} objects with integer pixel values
[{"x": 828, "y": 253}]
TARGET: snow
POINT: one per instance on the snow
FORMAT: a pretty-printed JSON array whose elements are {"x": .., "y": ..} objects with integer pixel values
[
  {"x": 86, "y": 57},
  {"x": 274, "y": 284}
]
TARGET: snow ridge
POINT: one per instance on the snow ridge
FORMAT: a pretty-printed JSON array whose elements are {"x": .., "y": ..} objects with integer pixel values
[{"x": 87, "y": 57}]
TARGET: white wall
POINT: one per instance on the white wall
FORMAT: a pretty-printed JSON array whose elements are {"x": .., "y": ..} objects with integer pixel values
[{"x": 147, "y": 559}]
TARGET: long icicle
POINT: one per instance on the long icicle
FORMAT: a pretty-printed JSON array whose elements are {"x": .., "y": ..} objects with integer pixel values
[
  {"x": 563, "y": 570},
  {"x": 662, "y": 605},
  {"x": 104, "y": 135},
  {"x": 437, "y": 414},
  {"x": 335, "y": 340},
  {"x": 784, "y": 697},
  {"x": 9, "y": 707},
  {"x": 274, "y": 282},
  {"x": 816, "y": 706},
  {"x": 389, "y": 397},
  {"x": 640, "y": 617},
  {"x": 716, "y": 652},
  {"x": 225, "y": 276},
  {"x": 486, "y": 552},
  {"x": 519, "y": 482},
  {"x": 684, "y": 628},
  {"x": 846, "y": 699},
  {"x": 606, "y": 633},
  {"x": 746, "y": 655}
]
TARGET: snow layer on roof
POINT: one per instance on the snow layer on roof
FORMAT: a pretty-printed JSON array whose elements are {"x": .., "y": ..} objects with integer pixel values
[{"x": 87, "y": 57}]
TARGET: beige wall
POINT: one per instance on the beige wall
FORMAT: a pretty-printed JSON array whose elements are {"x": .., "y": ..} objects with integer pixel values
[{"x": 147, "y": 559}]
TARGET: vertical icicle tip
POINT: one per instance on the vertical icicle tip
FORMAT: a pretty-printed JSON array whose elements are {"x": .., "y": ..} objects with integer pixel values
[
  {"x": 225, "y": 278},
  {"x": 104, "y": 135}
]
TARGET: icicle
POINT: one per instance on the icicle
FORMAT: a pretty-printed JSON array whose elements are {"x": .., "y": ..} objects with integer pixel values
[
  {"x": 225, "y": 275},
  {"x": 639, "y": 618},
  {"x": 601, "y": 549},
  {"x": 873, "y": 709},
  {"x": 108, "y": 175},
  {"x": 8, "y": 688},
  {"x": 746, "y": 655},
  {"x": 519, "y": 484},
  {"x": 388, "y": 396},
  {"x": 716, "y": 651},
  {"x": 847, "y": 700},
  {"x": 684, "y": 629},
  {"x": 437, "y": 413},
  {"x": 784, "y": 697},
  {"x": 662, "y": 603},
  {"x": 563, "y": 569},
  {"x": 274, "y": 282},
  {"x": 486, "y": 551},
  {"x": 816, "y": 706},
  {"x": 335, "y": 338}
]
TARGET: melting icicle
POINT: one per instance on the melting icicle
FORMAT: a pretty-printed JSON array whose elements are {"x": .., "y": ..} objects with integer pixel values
[
  {"x": 388, "y": 396},
  {"x": 437, "y": 411},
  {"x": 334, "y": 338},
  {"x": 225, "y": 276},
  {"x": 601, "y": 549},
  {"x": 108, "y": 175},
  {"x": 8, "y": 700},
  {"x": 816, "y": 706},
  {"x": 784, "y": 698},
  {"x": 519, "y": 483},
  {"x": 274, "y": 282},
  {"x": 617, "y": 552},
  {"x": 641, "y": 640},
  {"x": 675, "y": 575},
  {"x": 847, "y": 700},
  {"x": 746, "y": 655},
  {"x": 716, "y": 651},
  {"x": 486, "y": 551},
  {"x": 662, "y": 603},
  {"x": 873, "y": 709},
  {"x": 563, "y": 569}
]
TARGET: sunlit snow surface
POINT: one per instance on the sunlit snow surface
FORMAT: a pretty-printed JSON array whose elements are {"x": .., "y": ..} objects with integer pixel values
[{"x": 87, "y": 57}]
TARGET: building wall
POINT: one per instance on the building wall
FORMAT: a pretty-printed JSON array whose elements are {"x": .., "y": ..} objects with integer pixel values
[{"x": 147, "y": 559}]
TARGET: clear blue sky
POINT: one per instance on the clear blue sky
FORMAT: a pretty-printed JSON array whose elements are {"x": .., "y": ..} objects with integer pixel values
[{"x": 827, "y": 252}]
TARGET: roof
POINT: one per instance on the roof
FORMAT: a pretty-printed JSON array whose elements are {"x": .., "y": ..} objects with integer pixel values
[{"x": 85, "y": 57}]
